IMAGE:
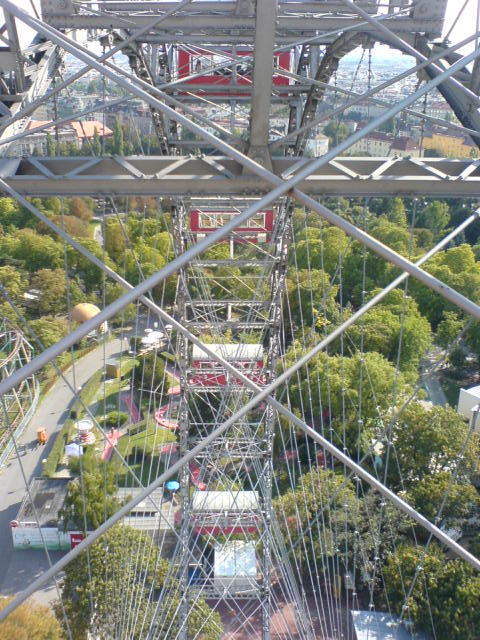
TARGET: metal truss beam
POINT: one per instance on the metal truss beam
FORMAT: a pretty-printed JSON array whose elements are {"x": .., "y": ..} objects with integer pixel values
[
  {"x": 462, "y": 105},
  {"x": 293, "y": 18},
  {"x": 164, "y": 176},
  {"x": 266, "y": 11},
  {"x": 40, "y": 62},
  {"x": 390, "y": 36},
  {"x": 355, "y": 98}
]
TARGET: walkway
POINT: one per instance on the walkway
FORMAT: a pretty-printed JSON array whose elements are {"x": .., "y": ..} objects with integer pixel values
[
  {"x": 431, "y": 376},
  {"x": 19, "y": 568}
]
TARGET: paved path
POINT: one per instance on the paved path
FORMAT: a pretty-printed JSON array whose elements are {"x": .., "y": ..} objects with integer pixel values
[
  {"x": 431, "y": 380},
  {"x": 19, "y": 568}
]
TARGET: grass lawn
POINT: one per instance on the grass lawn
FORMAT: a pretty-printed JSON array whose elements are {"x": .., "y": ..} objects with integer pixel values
[
  {"x": 145, "y": 441},
  {"x": 141, "y": 451},
  {"x": 110, "y": 402},
  {"x": 91, "y": 228}
]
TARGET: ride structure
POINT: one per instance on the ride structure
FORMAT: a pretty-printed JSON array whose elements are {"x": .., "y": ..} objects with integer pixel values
[{"x": 20, "y": 403}]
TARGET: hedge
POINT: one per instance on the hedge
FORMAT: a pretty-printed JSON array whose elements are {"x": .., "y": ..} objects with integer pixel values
[
  {"x": 56, "y": 454},
  {"x": 116, "y": 418},
  {"x": 168, "y": 356}
]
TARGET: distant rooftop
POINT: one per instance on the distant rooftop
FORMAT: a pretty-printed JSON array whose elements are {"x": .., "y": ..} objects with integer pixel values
[
  {"x": 403, "y": 143},
  {"x": 48, "y": 495},
  {"x": 83, "y": 129}
]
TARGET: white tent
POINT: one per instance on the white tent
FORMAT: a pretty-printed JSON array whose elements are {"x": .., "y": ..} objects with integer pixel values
[{"x": 73, "y": 450}]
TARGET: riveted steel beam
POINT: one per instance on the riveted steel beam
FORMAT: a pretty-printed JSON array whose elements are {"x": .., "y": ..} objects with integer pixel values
[{"x": 163, "y": 176}]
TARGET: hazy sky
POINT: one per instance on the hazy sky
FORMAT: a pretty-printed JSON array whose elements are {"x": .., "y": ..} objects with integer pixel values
[{"x": 466, "y": 24}]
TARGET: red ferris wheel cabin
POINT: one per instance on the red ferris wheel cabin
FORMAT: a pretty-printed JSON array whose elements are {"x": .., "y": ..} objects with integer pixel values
[
  {"x": 209, "y": 66},
  {"x": 258, "y": 229}
]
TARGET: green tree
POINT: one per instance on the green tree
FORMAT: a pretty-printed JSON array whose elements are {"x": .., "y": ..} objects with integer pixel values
[
  {"x": 320, "y": 249},
  {"x": 133, "y": 555},
  {"x": 91, "y": 275},
  {"x": 396, "y": 212},
  {"x": 337, "y": 132},
  {"x": 31, "y": 250},
  {"x": 96, "y": 143},
  {"x": 14, "y": 281},
  {"x": 52, "y": 205},
  {"x": 389, "y": 126},
  {"x": 427, "y": 496},
  {"x": 312, "y": 299},
  {"x": 452, "y": 586},
  {"x": 51, "y": 146},
  {"x": 457, "y": 268},
  {"x": 113, "y": 291},
  {"x": 50, "y": 330},
  {"x": 99, "y": 489},
  {"x": 7, "y": 312},
  {"x": 318, "y": 494},
  {"x": 385, "y": 331},
  {"x": 52, "y": 287},
  {"x": 436, "y": 217},
  {"x": 150, "y": 260},
  {"x": 150, "y": 373},
  {"x": 457, "y": 357},
  {"x": 114, "y": 240},
  {"x": 30, "y": 621},
  {"x": 10, "y": 213},
  {"x": 449, "y": 328},
  {"x": 338, "y": 382},
  {"x": 118, "y": 147},
  {"x": 428, "y": 442}
]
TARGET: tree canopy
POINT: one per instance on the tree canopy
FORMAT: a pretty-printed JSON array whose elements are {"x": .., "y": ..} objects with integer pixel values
[
  {"x": 446, "y": 592},
  {"x": 132, "y": 554},
  {"x": 30, "y": 621}
]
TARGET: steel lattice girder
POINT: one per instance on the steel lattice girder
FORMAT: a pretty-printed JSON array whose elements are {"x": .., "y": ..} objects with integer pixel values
[
  {"x": 216, "y": 176},
  {"x": 207, "y": 21}
]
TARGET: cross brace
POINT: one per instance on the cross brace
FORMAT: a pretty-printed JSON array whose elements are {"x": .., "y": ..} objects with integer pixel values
[{"x": 156, "y": 176}]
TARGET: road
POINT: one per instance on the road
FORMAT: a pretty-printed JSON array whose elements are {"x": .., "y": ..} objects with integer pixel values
[
  {"x": 19, "y": 568},
  {"x": 431, "y": 376}
]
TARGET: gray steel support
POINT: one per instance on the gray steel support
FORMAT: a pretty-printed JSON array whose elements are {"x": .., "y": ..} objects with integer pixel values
[
  {"x": 464, "y": 102},
  {"x": 390, "y": 36},
  {"x": 278, "y": 287},
  {"x": 461, "y": 104},
  {"x": 219, "y": 177},
  {"x": 300, "y": 196},
  {"x": 240, "y": 28},
  {"x": 296, "y": 130},
  {"x": 177, "y": 214},
  {"x": 34, "y": 102},
  {"x": 17, "y": 52},
  {"x": 266, "y": 11},
  {"x": 113, "y": 72}
]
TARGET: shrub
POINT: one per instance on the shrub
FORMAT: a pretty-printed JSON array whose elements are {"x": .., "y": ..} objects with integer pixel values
[
  {"x": 56, "y": 454},
  {"x": 116, "y": 418},
  {"x": 167, "y": 356},
  {"x": 457, "y": 357}
]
